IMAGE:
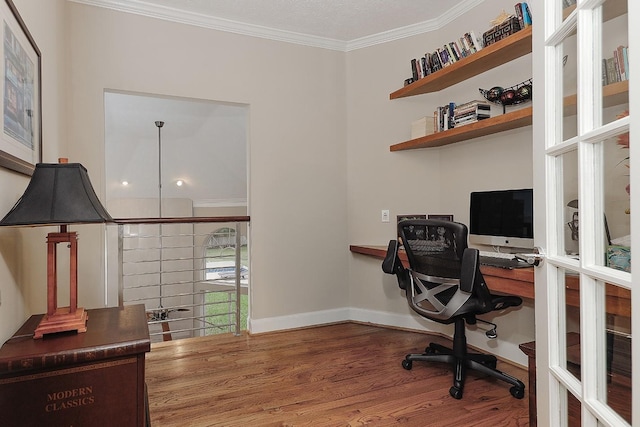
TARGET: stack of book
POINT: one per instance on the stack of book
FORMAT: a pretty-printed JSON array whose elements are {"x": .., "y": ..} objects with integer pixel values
[
  {"x": 422, "y": 127},
  {"x": 443, "y": 117},
  {"x": 444, "y": 56},
  {"x": 523, "y": 13},
  {"x": 616, "y": 68},
  {"x": 451, "y": 115},
  {"x": 471, "y": 112}
]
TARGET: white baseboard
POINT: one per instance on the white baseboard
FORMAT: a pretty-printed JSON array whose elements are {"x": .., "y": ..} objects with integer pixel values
[
  {"x": 294, "y": 321},
  {"x": 507, "y": 350},
  {"x": 302, "y": 320}
]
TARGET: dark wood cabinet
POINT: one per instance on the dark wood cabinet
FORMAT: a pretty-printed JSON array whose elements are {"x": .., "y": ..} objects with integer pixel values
[{"x": 70, "y": 379}]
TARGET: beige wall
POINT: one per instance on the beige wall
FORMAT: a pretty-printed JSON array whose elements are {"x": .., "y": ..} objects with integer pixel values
[
  {"x": 23, "y": 252},
  {"x": 296, "y": 98},
  {"x": 436, "y": 181},
  {"x": 321, "y": 123}
]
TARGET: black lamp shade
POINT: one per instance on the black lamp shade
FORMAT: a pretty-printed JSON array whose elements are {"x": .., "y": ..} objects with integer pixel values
[{"x": 58, "y": 193}]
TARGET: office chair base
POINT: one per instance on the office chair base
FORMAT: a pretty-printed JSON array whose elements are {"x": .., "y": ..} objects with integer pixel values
[{"x": 483, "y": 363}]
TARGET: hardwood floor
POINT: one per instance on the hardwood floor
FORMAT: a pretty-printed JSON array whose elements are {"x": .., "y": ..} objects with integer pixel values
[{"x": 339, "y": 375}]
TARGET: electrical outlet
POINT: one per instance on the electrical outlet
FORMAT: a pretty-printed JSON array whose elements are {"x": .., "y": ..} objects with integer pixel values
[{"x": 385, "y": 215}]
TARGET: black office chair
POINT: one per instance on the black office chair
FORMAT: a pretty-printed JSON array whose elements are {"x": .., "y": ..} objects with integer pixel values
[{"x": 443, "y": 283}]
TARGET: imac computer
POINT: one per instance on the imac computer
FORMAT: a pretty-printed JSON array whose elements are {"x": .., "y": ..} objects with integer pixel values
[{"x": 502, "y": 218}]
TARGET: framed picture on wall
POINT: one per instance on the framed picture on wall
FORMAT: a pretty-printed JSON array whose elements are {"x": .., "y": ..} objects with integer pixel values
[
  {"x": 444, "y": 217},
  {"x": 21, "y": 137}
]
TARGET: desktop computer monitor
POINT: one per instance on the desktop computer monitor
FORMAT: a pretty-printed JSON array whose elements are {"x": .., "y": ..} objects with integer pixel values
[{"x": 502, "y": 218}]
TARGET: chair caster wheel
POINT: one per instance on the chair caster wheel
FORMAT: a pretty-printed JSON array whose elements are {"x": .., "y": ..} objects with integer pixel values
[
  {"x": 407, "y": 364},
  {"x": 517, "y": 392},
  {"x": 429, "y": 350},
  {"x": 455, "y": 392}
]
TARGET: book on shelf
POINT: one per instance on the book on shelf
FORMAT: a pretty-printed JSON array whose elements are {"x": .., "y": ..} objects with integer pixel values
[
  {"x": 441, "y": 118},
  {"x": 444, "y": 57},
  {"x": 468, "y": 122},
  {"x": 424, "y": 62},
  {"x": 422, "y": 127},
  {"x": 460, "y": 47},
  {"x": 474, "y": 105},
  {"x": 414, "y": 69},
  {"x": 619, "y": 55},
  {"x": 436, "y": 64},
  {"x": 526, "y": 15},
  {"x": 518, "y": 9},
  {"x": 451, "y": 115},
  {"x": 616, "y": 68},
  {"x": 477, "y": 42},
  {"x": 452, "y": 107},
  {"x": 469, "y": 43},
  {"x": 612, "y": 77},
  {"x": 470, "y": 116},
  {"x": 453, "y": 52},
  {"x": 476, "y": 112},
  {"x": 464, "y": 45},
  {"x": 471, "y": 112}
]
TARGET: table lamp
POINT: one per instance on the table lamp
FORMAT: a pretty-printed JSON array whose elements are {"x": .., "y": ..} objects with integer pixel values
[{"x": 59, "y": 194}]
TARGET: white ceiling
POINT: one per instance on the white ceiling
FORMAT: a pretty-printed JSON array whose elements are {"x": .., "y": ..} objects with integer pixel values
[
  {"x": 203, "y": 143},
  {"x": 333, "y": 24}
]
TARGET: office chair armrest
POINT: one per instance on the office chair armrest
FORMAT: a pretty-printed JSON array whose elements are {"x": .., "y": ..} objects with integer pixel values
[
  {"x": 391, "y": 258},
  {"x": 393, "y": 265},
  {"x": 502, "y": 302},
  {"x": 469, "y": 269}
]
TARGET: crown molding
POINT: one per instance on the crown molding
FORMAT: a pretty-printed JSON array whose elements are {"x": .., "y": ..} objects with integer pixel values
[
  {"x": 415, "y": 29},
  {"x": 142, "y": 8},
  {"x": 190, "y": 18}
]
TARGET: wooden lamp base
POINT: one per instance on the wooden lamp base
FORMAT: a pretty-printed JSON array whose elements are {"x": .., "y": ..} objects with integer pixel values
[{"x": 62, "y": 320}]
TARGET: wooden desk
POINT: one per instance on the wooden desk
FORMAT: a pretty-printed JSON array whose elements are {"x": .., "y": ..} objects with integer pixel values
[
  {"x": 520, "y": 282},
  {"x": 72, "y": 379}
]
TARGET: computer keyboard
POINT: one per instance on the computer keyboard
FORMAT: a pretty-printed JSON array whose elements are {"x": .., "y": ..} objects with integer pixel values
[
  {"x": 490, "y": 254},
  {"x": 502, "y": 260}
]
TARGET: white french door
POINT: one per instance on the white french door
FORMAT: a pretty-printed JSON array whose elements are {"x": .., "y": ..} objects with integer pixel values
[{"x": 586, "y": 210}]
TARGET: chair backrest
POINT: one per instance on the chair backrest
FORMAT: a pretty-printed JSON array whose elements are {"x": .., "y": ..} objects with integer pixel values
[{"x": 436, "y": 250}]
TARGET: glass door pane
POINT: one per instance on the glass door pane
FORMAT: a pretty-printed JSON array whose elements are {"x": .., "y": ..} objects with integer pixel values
[
  {"x": 572, "y": 315},
  {"x": 618, "y": 351},
  {"x": 570, "y": 220},
  {"x": 614, "y": 59},
  {"x": 568, "y": 49},
  {"x": 617, "y": 189}
]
